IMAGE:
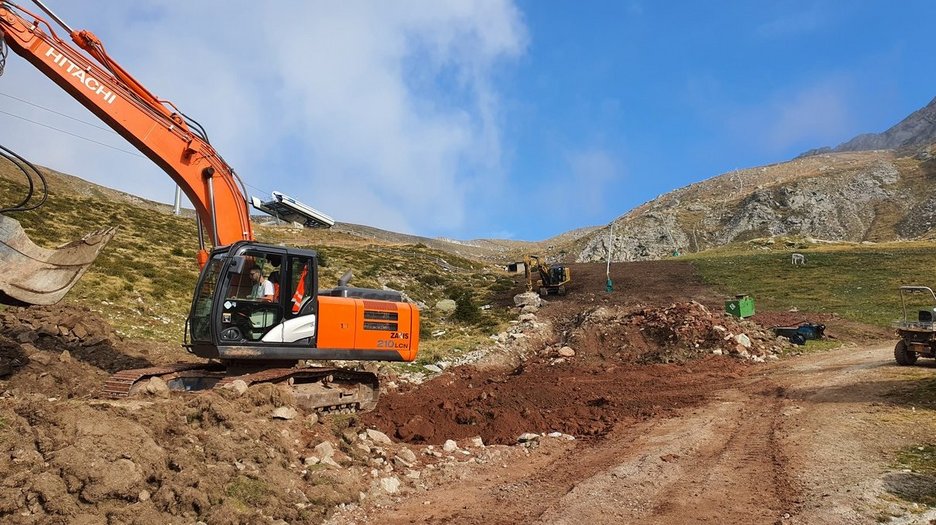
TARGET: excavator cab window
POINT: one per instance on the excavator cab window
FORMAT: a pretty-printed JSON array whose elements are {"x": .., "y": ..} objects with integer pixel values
[
  {"x": 302, "y": 286},
  {"x": 200, "y": 319},
  {"x": 250, "y": 307}
]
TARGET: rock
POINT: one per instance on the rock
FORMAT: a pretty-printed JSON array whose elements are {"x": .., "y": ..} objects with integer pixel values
[
  {"x": 312, "y": 419},
  {"x": 330, "y": 462},
  {"x": 476, "y": 442},
  {"x": 80, "y": 331},
  {"x": 286, "y": 413},
  {"x": 407, "y": 455},
  {"x": 390, "y": 485},
  {"x": 27, "y": 337},
  {"x": 156, "y": 387},
  {"x": 529, "y": 309},
  {"x": 28, "y": 349},
  {"x": 743, "y": 340},
  {"x": 349, "y": 436},
  {"x": 363, "y": 448},
  {"x": 48, "y": 329},
  {"x": 528, "y": 298},
  {"x": 449, "y": 446},
  {"x": 238, "y": 387},
  {"x": 567, "y": 351},
  {"x": 527, "y": 318},
  {"x": 527, "y": 437},
  {"x": 42, "y": 358},
  {"x": 378, "y": 437},
  {"x": 310, "y": 461},
  {"x": 446, "y": 307},
  {"x": 433, "y": 368},
  {"x": 143, "y": 496},
  {"x": 65, "y": 356},
  {"x": 412, "y": 474},
  {"x": 324, "y": 450}
]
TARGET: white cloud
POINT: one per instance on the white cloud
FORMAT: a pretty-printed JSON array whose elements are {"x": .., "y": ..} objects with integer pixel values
[{"x": 374, "y": 112}]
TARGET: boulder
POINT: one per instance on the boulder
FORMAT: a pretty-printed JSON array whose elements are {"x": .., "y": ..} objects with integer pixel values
[
  {"x": 567, "y": 351},
  {"x": 286, "y": 413},
  {"x": 528, "y": 299},
  {"x": 445, "y": 307},
  {"x": 378, "y": 437}
]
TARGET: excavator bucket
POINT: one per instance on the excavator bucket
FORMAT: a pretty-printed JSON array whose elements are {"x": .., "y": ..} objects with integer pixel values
[{"x": 31, "y": 275}]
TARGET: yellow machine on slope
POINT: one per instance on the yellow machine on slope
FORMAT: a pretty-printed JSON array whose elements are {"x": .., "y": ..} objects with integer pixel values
[{"x": 552, "y": 279}]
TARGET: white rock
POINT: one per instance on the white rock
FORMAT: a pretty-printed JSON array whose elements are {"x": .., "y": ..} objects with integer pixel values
[
  {"x": 433, "y": 368},
  {"x": 238, "y": 386},
  {"x": 477, "y": 442},
  {"x": 310, "y": 460},
  {"x": 528, "y": 298},
  {"x": 566, "y": 351},
  {"x": 330, "y": 462},
  {"x": 156, "y": 387},
  {"x": 378, "y": 437},
  {"x": 412, "y": 474},
  {"x": 527, "y": 437},
  {"x": 449, "y": 446},
  {"x": 743, "y": 340},
  {"x": 717, "y": 351},
  {"x": 324, "y": 450},
  {"x": 143, "y": 496},
  {"x": 407, "y": 455},
  {"x": 390, "y": 485},
  {"x": 312, "y": 418},
  {"x": 527, "y": 318},
  {"x": 719, "y": 328},
  {"x": 284, "y": 413}
]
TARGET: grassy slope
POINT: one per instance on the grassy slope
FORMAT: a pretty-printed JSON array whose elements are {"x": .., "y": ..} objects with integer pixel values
[
  {"x": 144, "y": 278},
  {"x": 857, "y": 281}
]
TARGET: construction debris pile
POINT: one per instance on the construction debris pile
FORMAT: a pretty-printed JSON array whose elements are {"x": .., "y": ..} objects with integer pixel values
[{"x": 676, "y": 333}]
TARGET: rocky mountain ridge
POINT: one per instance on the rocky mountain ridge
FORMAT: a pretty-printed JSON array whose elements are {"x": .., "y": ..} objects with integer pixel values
[{"x": 875, "y": 187}]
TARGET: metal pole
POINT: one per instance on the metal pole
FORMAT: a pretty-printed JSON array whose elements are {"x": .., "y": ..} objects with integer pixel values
[
  {"x": 177, "y": 209},
  {"x": 609, "y": 285},
  {"x": 610, "y": 241}
]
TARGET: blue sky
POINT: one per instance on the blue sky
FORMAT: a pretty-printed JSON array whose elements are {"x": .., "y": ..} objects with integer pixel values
[{"x": 488, "y": 118}]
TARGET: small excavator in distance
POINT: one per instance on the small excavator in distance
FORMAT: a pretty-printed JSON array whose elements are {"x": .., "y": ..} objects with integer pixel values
[
  {"x": 553, "y": 279},
  {"x": 244, "y": 331}
]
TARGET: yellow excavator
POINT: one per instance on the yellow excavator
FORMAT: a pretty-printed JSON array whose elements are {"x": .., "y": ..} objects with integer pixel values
[{"x": 547, "y": 279}]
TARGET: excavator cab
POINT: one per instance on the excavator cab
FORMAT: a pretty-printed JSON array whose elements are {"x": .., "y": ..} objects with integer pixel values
[
  {"x": 236, "y": 303},
  {"x": 233, "y": 319}
]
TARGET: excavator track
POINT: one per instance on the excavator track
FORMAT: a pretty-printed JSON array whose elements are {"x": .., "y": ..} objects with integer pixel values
[
  {"x": 121, "y": 383},
  {"x": 323, "y": 390}
]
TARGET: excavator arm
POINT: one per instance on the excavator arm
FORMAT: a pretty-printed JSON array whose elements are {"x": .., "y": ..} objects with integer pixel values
[{"x": 154, "y": 126}]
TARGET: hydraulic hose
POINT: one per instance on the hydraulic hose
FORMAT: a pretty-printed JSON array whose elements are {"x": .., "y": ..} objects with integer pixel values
[{"x": 25, "y": 168}]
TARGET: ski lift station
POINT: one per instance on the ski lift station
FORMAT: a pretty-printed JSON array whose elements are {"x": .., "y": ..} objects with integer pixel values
[{"x": 286, "y": 208}]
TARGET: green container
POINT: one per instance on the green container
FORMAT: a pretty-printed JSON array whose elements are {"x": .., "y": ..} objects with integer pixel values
[{"x": 741, "y": 306}]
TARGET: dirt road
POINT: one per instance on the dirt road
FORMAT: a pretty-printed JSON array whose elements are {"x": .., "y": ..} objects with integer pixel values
[{"x": 809, "y": 440}]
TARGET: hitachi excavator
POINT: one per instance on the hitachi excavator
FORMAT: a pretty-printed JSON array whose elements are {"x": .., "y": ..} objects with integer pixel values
[{"x": 246, "y": 332}]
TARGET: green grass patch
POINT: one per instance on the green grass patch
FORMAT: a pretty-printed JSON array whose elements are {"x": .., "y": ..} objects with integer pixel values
[
  {"x": 248, "y": 493},
  {"x": 857, "y": 282}
]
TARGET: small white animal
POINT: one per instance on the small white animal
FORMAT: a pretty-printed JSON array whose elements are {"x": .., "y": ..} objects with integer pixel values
[{"x": 799, "y": 258}]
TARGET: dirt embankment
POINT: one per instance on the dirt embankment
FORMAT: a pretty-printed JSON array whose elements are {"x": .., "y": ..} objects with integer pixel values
[{"x": 608, "y": 362}]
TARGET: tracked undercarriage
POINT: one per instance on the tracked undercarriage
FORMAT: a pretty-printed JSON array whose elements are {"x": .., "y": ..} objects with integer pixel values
[{"x": 318, "y": 389}]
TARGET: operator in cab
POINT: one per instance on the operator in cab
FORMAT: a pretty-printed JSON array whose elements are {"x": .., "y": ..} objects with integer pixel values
[{"x": 262, "y": 287}]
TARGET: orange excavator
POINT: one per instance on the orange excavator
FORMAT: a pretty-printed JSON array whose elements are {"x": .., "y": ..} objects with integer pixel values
[{"x": 257, "y": 309}]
